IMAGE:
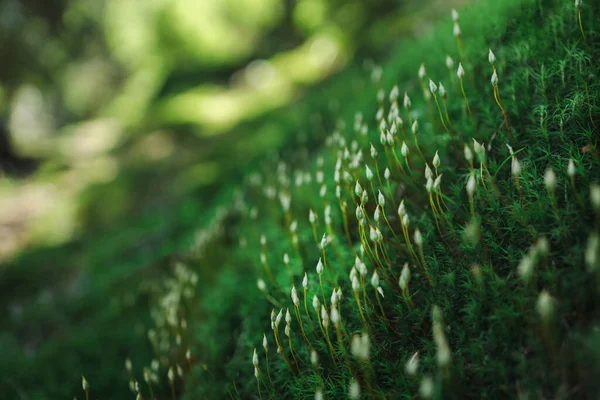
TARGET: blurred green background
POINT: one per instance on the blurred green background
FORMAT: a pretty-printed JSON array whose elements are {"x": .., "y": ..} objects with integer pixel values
[{"x": 121, "y": 123}]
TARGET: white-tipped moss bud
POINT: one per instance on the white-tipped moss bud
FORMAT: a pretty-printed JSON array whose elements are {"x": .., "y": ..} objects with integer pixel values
[
  {"x": 415, "y": 127},
  {"x": 324, "y": 317},
  {"x": 418, "y": 238},
  {"x": 578, "y": 4},
  {"x": 316, "y": 303},
  {"x": 550, "y": 180},
  {"x": 494, "y": 78},
  {"x": 312, "y": 217},
  {"x": 263, "y": 240},
  {"x": 278, "y": 318},
  {"x": 406, "y": 221},
  {"x": 404, "y": 149},
  {"x": 387, "y": 174},
  {"x": 460, "y": 72},
  {"x": 426, "y": 388},
  {"x": 401, "y": 209},
  {"x": 592, "y": 252},
  {"x": 377, "y": 214},
  {"x": 491, "y": 57},
  {"x": 412, "y": 365},
  {"x": 380, "y": 95},
  {"x": 456, "y": 29},
  {"x": 381, "y": 199},
  {"x": 358, "y": 190},
  {"x": 335, "y": 316},
  {"x": 525, "y": 269},
  {"x": 436, "y": 160},
  {"x": 571, "y": 169},
  {"x": 314, "y": 358},
  {"x": 455, "y": 16},
  {"x": 545, "y": 306},
  {"x": 188, "y": 355},
  {"x": 468, "y": 154},
  {"x": 84, "y": 384},
  {"x": 375, "y": 279},
  {"x": 471, "y": 185},
  {"x": 404, "y": 277},
  {"x": 407, "y": 102},
  {"x": 437, "y": 183},
  {"x": 443, "y": 91},
  {"x": 128, "y": 365},
  {"x": 432, "y": 87},
  {"x": 256, "y": 373},
  {"x": 595, "y": 197},
  {"x": 380, "y": 291},
  {"x": 265, "y": 343},
  {"x": 394, "y": 93},
  {"x": 515, "y": 167},
  {"x": 305, "y": 281},
  {"x": 288, "y": 316},
  {"x": 353, "y": 390},
  {"x": 320, "y": 267},
  {"x": 286, "y": 258},
  {"x": 369, "y": 173},
  {"x": 254, "y": 358},
  {"x": 429, "y": 185},
  {"x": 449, "y": 62},
  {"x": 355, "y": 284},
  {"x": 324, "y": 241},
  {"x": 422, "y": 71},
  {"x": 262, "y": 286},
  {"x": 294, "y": 295},
  {"x": 373, "y": 152},
  {"x": 428, "y": 172}
]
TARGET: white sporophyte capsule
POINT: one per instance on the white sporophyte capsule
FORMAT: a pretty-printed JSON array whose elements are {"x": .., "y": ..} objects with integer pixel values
[
  {"x": 293, "y": 226},
  {"x": 324, "y": 241},
  {"x": 543, "y": 246},
  {"x": 358, "y": 189},
  {"x": 468, "y": 153},
  {"x": 380, "y": 291},
  {"x": 288, "y": 316},
  {"x": 401, "y": 209},
  {"x": 418, "y": 238},
  {"x": 262, "y": 286},
  {"x": 128, "y": 365},
  {"x": 382, "y": 138},
  {"x": 256, "y": 373},
  {"x": 312, "y": 217},
  {"x": 380, "y": 95},
  {"x": 455, "y": 16},
  {"x": 278, "y": 318},
  {"x": 571, "y": 169},
  {"x": 443, "y": 91},
  {"x": 456, "y": 29},
  {"x": 188, "y": 355},
  {"x": 324, "y": 317},
  {"x": 449, "y": 62},
  {"x": 372, "y": 234},
  {"x": 550, "y": 180},
  {"x": 84, "y": 384},
  {"x": 340, "y": 295},
  {"x": 471, "y": 185},
  {"x": 407, "y": 102},
  {"x": 286, "y": 258},
  {"x": 595, "y": 197},
  {"x": 432, "y": 87},
  {"x": 436, "y": 160},
  {"x": 404, "y": 277},
  {"x": 404, "y": 149},
  {"x": 387, "y": 174},
  {"x": 334, "y": 297},
  {"x": 320, "y": 267},
  {"x": 263, "y": 240},
  {"x": 545, "y": 306},
  {"x": 294, "y": 295},
  {"x": 394, "y": 93},
  {"x": 491, "y": 57},
  {"x": 353, "y": 390},
  {"x": 364, "y": 198},
  {"x": 316, "y": 303},
  {"x": 359, "y": 212},
  {"x": 375, "y": 279},
  {"x": 415, "y": 127},
  {"x": 525, "y": 268},
  {"x": 412, "y": 365},
  {"x": 369, "y": 173},
  {"x": 373, "y": 152},
  {"x": 255, "y": 358},
  {"x": 426, "y": 388},
  {"x": 477, "y": 147},
  {"x": 437, "y": 182},
  {"x": 379, "y": 114},
  {"x": 515, "y": 167},
  {"x": 460, "y": 72},
  {"x": 494, "y": 78},
  {"x": 355, "y": 284},
  {"x": 377, "y": 214},
  {"x": 578, "y": 4},
  {"x": 335, "y": 315},
  {"x": 323, "y": 190},
  {"x": 428, "y": 172},
  {"x": 265, "y": 343},
  {"x": 389, "y": 138},
  {"x": 263, "y": 258},
  {"x": 429, "y": 185},
  {"x": 592, "y": 252},
  {"x": 422, "y": 71},
  {"x": 305, "y": 281},
  {"x": 381, "y": 199}
]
